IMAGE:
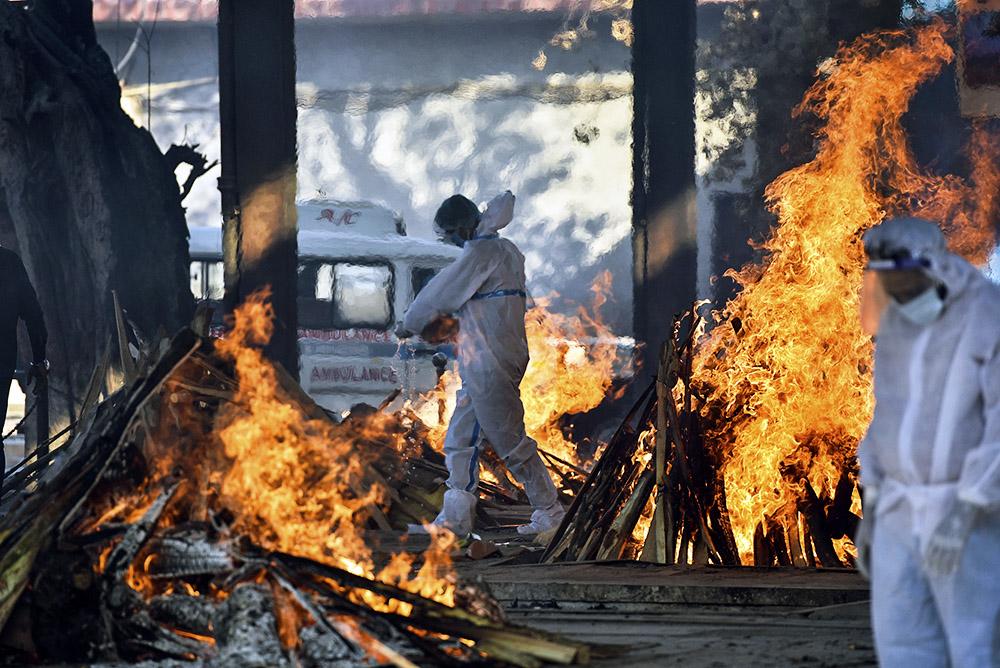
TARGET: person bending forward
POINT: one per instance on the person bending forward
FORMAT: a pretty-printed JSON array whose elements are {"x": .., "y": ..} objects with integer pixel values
[{"x": 485, "y": 289}]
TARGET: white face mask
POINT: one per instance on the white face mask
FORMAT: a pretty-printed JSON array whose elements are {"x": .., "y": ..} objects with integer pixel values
[{"x": 924, "y": 309}]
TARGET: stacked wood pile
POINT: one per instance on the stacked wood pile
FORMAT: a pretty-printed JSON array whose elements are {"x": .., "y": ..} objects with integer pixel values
[
  {"x": 658, "y": 494},
  {"x": 170, "y": 578}
]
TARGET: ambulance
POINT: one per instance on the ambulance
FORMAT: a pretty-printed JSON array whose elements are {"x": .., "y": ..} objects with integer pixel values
[{"x": 358, "y": 272}]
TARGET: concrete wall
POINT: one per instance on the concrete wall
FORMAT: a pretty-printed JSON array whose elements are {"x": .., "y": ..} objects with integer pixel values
[{"x": 410, "y": 111}]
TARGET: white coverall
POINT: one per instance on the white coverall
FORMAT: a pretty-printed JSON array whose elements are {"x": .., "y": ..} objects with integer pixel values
[
  {"x": 485, "y": 289},
  {"x": 935, "y": 439}
]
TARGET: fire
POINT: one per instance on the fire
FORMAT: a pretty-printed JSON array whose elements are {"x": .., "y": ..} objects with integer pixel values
[
  {"x": 786, "y": 378},
  {"x": 567, "y": 375},
  {"x": 302, "y": 486},
  {"x": 571, "y": 369},
  {"x": 647, "y": 444}
]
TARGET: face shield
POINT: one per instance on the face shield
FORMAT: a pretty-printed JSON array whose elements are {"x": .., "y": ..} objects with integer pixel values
[{"x": 899, "y": 253}]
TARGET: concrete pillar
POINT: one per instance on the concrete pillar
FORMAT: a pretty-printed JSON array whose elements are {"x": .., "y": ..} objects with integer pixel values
[
  {"x": 258, "y": 119},
  {"x": 664, "y": 196}
]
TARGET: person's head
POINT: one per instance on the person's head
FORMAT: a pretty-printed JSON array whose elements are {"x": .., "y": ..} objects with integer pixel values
[
  {"x": 456, "y": 220},
  {"x": 900, "y": 251}
]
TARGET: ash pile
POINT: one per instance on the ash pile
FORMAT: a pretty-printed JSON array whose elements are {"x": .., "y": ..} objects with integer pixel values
[{"x": 209, "y": 513}]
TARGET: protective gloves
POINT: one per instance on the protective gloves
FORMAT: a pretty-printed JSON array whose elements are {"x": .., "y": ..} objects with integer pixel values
[
  {"x": 864, "y": 533},
  {"x": 945, "y": 547}
]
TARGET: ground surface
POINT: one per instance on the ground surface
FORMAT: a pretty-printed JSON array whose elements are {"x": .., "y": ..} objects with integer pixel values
[{"x": 667, "y": 616}]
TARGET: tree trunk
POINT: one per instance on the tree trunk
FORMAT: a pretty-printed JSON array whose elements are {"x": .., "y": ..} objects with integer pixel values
[{"x": 91, "y": 201}]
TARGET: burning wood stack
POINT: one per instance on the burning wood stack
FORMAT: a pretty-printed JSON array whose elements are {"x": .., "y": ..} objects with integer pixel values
[
  {"x": 210, "y": 511},
  {"x": 658, "y": 494},
  {"x": 745, "y": 451}
]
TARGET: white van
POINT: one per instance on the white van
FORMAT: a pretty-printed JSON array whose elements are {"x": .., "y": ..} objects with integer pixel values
[{"x": 358, "y": 273}]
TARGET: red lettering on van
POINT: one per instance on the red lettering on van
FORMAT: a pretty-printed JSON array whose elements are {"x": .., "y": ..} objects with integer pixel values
[{"x": 346, "y": 217}]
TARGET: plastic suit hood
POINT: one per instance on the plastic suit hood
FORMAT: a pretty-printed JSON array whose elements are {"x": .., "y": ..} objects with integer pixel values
[{"x": 499, "y": 214}]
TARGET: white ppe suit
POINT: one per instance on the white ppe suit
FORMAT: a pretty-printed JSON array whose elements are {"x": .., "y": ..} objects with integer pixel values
[
  {"x": 934, "y": 441},
  {"x": 485, "y": 289}
]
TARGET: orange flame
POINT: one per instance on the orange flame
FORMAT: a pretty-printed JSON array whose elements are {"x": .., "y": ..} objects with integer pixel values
[
  {"x": 303, "y": 486},
  {"x": 567, "y": 375},
  {"x": 786, "y": 379}
]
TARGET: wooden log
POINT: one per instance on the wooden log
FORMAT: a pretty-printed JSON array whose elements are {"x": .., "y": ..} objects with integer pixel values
[
  {"x": 587, "y": 498},
  {"x": 796, "y": 551},
  {"x": 125, "y": 358},
  {"x": 839, "y": 519},
  {"x": 681, "y": 461},
  {"x": 523, "y": 647},
  {"x": 779, "y": 546},
  {"x": 762, "y": 554},
  {"x": 621, "y": 528},
  {"x": 699, "y": 554},
  {"x": 658, "y": 530},
  {"x": 685, "y": 536},
  {"x": 725, "y": 526},
  {"x": 672, "y": 510},
  {"x": 807, "y": 543},
  {"x": 812, "y": 510}
]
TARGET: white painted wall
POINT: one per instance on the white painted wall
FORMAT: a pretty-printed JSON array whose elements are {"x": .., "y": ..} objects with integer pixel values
[{"x": 408, "y": 112}]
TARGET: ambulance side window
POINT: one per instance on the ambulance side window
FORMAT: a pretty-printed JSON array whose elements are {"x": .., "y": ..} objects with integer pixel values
[
  {"x": 363, "y": 295},
  {"x": 344, "y": 295},
  {"x": 315, "y": 298},
  {"x": 421, "y": 277}
]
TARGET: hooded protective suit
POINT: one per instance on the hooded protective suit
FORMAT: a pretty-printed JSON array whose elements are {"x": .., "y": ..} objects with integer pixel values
[
  {"x": 934, "y": 442},
  {"x": 485, "y": 289}
]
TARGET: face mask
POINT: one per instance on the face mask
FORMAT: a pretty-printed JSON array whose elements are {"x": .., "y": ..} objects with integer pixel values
[{"x": 923, "y": 309}]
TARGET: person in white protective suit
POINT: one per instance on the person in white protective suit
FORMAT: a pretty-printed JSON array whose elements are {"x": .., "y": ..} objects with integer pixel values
[
  {"x": 930, "y": 462},
  {"x": 485, "y": 289}
]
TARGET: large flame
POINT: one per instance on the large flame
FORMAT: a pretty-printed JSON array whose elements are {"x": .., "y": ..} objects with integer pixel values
[
  {"x": 571, "y": 369},
  {"x": 786, "y": 378},
  {"x": 302, "y": 486}
]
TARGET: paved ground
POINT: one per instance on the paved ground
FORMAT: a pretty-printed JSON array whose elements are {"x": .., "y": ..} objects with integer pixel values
[
  {"x": 660, "y": 616},
  {"x": 651, "y": 615}
]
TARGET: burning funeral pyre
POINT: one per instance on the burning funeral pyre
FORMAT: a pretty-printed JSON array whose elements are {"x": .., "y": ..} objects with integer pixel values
[
  {"x": 749, "y": 439},
  {"x": 209, "y": 510}
]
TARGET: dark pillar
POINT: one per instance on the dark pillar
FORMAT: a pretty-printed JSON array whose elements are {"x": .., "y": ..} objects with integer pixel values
[
  {"x": 257, "y": 110},
  {"x": 663, "y": 198}
]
